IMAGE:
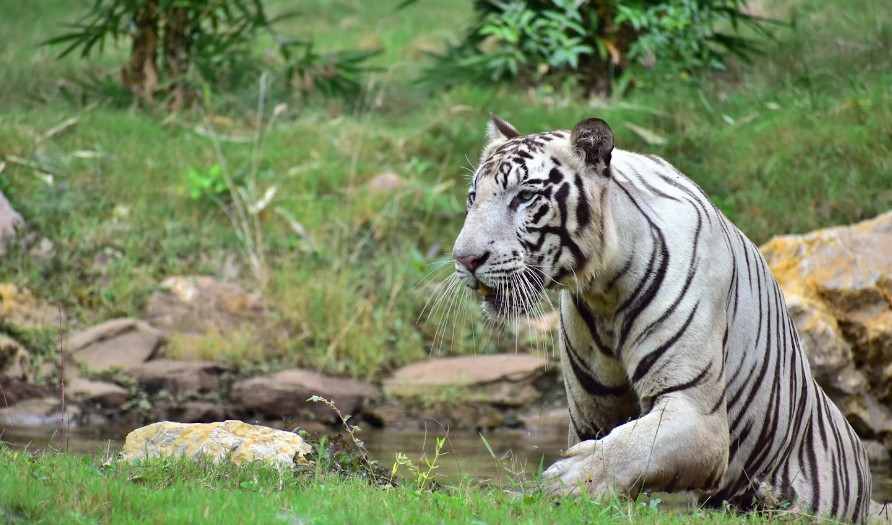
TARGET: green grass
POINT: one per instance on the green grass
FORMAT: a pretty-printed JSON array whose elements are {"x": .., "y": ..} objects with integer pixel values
[
  {"x": 62, "y": 488},
  {"x": 798, "y": 140}
]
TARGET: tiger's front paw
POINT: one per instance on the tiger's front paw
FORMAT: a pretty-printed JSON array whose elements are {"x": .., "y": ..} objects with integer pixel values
[{"x": 582, "y": 469}]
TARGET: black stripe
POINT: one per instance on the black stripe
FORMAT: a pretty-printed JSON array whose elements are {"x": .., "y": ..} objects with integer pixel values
[
  {"x": 588, "y": 382},
  {"x": 697, "y": 380},
  {"x": 648, "y": 361}
]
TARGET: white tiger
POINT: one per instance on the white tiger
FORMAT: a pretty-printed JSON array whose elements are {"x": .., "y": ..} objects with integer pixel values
[{"x": 682, "y": 368}]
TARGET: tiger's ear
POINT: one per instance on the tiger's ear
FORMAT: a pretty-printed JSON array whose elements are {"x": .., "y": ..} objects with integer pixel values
[
  {"x": 592, "y": 139},
  {"x": 498, "y": 129}
]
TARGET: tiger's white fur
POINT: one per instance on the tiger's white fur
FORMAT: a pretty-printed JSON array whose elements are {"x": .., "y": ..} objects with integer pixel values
[{"x": 682, "y": 368}]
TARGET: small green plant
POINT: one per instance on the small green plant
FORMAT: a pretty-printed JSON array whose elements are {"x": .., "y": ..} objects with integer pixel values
[
  {"x": 425, "y": 473},
  {"x": 205, "y": 184}
]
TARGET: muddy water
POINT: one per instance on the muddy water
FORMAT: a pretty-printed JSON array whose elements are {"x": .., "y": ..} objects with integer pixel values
[{"x": 463, "y": 455}]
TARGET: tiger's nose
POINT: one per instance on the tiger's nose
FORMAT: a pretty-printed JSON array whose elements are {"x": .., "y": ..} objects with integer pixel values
[{"x": 472, "y": 262}]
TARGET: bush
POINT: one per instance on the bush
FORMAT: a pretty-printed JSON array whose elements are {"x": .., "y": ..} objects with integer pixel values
[
  {"x": 178, "y": 45},
  {"x": 593, "y": 42}
]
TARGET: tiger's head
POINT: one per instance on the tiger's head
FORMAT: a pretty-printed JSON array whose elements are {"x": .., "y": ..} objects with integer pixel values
[{"x": 533, "y": 214}]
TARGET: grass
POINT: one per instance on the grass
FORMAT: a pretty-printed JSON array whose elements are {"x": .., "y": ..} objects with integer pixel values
[
  {"x": 798, "y": 140},
  {"x": 62, "y": 488}
]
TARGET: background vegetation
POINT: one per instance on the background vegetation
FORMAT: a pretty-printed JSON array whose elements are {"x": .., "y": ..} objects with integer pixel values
[{"x": 130, "y": 193}]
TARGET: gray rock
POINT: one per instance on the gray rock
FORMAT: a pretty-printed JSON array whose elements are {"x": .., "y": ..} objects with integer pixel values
[
  {"x": 42, "y": 411},
  {"x": 178, "y": 376},
  {"x": 10, "y": 221},
  {"x": 108, "y": 395},
  {"x": 503, "y": 379},
  {"x": 122, "y": 343},
  {"x": 284, "y": 395},
  {"x": 15, "y": 361}
]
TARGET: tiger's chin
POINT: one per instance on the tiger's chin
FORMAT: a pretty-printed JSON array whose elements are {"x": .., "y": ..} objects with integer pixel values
[{"x": 509, "y": 304}]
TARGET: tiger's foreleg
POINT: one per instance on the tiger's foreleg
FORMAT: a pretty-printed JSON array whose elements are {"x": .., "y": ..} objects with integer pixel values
[{"x": 673, "y": 447}]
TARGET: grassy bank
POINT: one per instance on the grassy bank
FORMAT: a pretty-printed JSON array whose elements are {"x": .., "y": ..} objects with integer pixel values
[
  {"x": 60, "y": 488},
  {"x": 798, "y": 140}
]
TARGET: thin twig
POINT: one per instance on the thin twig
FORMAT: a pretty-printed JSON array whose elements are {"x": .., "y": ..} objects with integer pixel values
[{"x": 62, "y": 421}]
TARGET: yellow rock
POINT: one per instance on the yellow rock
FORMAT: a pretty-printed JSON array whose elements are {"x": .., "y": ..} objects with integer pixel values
[
  {"x": 19, "y": 307},
  {"x": 233, "y": 440}
]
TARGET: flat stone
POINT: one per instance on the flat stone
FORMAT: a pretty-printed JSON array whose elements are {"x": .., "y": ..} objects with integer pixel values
[
  {"x": 41, "y": 411},
  {"x": 552, "y": 421},
  {"x": 284, "y": 395},
  {"x": 109, "y": 395},
  {"x": 121, "y": 343},
  {"x": 178, "y": 376},
  {"x": 236, "y": 441},
  {"x": 202, "y": 304},
  {"x": 506, "y": 379},
  {"x": 15, "y": 361}
]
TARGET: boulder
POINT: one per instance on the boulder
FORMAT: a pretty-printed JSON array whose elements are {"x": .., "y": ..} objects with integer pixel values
[
  {"x": 122, "y": 343},
  {"x": 108, "y": 395},
  {"x": 192, "y": 412},
  {"x": 10, "y": 222},
  {"x": 838, "y": 286},
  {"x": 201, "y": 304},
  {"x": 15, "y": 361},
  {"x": 236, "y": 441},
  {"x": 178, "y": 376},
  {"x": 550, "y": 421},
  {"x": 500, "y": 379},
  {"x": 284, "y": 394},
  {"x": 13, "y": 390},
  {"x": 40, "y": 411},
  {"x": 18, "y": 307}
]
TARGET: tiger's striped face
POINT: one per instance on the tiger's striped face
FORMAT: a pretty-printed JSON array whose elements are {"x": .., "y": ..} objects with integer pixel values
[{"x": 531, "y": 218}]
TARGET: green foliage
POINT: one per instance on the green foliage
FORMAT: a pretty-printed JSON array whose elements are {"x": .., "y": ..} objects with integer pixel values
[
  {"x": 180, "y": 47},
  {"x": 207, "y": 184},
  {"x": 587, "y": 42},
  {"x": 423, "y": 475}
]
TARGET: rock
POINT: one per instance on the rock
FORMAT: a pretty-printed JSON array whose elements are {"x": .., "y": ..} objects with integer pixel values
[
  {"x": 201, "y": 304},
  {"x": 10, "y": 221},
  {"x": 234, "y": 440},
  {"x": 13, "y": 390},
  {"x": 123, "y": 343},
  {"x": 15, "y": 361},
  {"x": 553, "y": 421},
  {"x": 502, "y": 379},
  {"x": 876, "y": 452},
  {"x": 284, "y": 394},
  {"x": 386, "y": 182},
  {"x": 193, "y": 412},
  {"x": 108, "y": 395},
  {"x": 838, "y": 286},
  {"x": 178, "y": 376},
  {"x": 18, "y": 307},
  {"x": 41, "y": 411}
]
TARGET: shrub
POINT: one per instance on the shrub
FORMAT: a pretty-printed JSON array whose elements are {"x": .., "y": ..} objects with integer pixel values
[
  {"x": 593, "y": 42},
  {"x": 205, "y": 41}
]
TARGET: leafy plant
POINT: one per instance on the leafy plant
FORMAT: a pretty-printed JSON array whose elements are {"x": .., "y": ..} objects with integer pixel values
[
  {"x": 425, "y": 473},
  {"x": 178, "y": 46},
  {"x": 592, "y": 42}
]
